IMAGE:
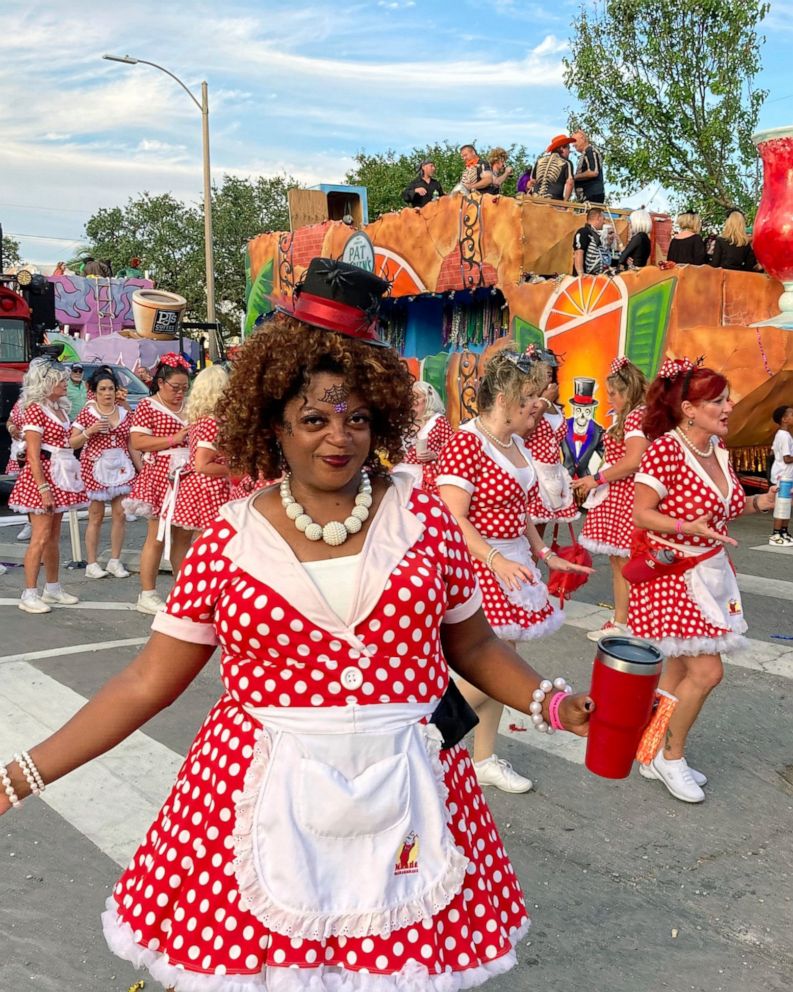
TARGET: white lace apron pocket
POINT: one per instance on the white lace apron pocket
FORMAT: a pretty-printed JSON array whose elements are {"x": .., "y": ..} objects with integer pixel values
[
  {"x": 113, "y": 468},
  {"x": 345, "y": 834},
  {"x": 531, "y": 597},
  {"x": 554, "y": 485},
  {"x": 596, "y": 496},
  {"x": 65, "y": 470},
  {"x": 177, "y": 458},
  {"x": 713, "y": 587}
]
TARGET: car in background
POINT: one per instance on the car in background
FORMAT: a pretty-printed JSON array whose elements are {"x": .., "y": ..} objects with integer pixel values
[{"x": 136, "y": 388}]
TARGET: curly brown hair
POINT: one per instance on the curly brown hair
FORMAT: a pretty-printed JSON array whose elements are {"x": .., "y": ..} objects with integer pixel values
[{"x": 277, "y": 363}]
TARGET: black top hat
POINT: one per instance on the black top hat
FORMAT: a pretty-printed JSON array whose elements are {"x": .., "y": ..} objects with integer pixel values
[
  {"x": 584, "y": 390},
  {"x": 337, "y": 296}
]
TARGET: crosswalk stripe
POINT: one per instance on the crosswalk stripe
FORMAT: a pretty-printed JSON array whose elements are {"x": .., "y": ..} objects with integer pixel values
[
  {"x": 87, "y": 605},
  {"x": 72, "y": 649}
]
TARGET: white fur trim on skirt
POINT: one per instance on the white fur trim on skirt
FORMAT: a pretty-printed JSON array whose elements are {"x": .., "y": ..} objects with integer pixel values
[
  {"x": 140, "y": 508},
  {"x": 413, "y": 977},
  {"x": 107, "y": 495},
  {"x": 38, "y": 511},
  {"x": 601, "y": 548},
  {"x": 674, "y": 647},
  {"x": 514, "y": 631}
]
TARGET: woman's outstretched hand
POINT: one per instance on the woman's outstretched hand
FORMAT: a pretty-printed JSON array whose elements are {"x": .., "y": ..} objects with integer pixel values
[{"x": 574, "y": 713}]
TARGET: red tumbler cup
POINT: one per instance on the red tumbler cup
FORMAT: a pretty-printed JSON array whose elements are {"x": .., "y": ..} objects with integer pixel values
[{"x": 624, "y": 679}]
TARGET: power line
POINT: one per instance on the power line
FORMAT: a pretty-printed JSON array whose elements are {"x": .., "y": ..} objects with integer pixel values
[
  {"x": 54, "y": 210},
  {"x": 45, "y": 237}
]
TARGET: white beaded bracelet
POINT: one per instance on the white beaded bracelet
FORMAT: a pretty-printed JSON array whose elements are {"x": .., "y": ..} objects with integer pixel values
[
  {"x": 30, "y": 772},
  {"x": 36, "y": 774},
  {"x": 538, "y": 698},
  {"x": 9, "y": 789}
]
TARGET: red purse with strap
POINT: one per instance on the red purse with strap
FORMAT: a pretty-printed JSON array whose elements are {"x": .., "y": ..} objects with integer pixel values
[
  {"x": 564, "y": 584},
  {"x": 648, "y": 562}
]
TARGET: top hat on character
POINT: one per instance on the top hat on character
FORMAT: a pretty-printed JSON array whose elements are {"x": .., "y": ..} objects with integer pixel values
[
  {"x": 584, "y": 390},
  {"x": 337, "y": 296}
]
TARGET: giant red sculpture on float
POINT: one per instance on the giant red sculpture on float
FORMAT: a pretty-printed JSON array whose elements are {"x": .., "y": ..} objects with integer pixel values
[{"x": 773, "y": 226}]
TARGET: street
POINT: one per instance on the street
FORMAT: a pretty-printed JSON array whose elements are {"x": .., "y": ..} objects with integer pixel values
[{"x": 629, "y": 889}]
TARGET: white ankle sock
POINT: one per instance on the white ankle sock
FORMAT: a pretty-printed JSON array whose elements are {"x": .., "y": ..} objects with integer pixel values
[
  {"x": 53, "y": 587},
  {"x": 30, "y": 593}
]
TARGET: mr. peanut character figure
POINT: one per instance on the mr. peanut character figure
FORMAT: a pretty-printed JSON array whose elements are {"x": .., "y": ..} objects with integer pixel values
[{"x": 582, "y": 446}]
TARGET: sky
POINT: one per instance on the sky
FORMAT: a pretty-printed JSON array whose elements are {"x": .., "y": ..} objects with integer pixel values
[{"x": 294, "y": 86}]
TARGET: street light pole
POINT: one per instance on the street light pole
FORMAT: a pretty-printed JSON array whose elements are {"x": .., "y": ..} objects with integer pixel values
[{"x": 209, "y": 262}]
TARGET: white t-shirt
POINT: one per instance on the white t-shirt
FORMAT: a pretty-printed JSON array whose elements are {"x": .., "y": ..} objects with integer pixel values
[{"x": 783, "y": 445}]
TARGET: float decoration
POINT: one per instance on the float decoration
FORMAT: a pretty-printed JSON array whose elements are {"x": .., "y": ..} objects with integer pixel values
[{"x": 773, "y": 226}]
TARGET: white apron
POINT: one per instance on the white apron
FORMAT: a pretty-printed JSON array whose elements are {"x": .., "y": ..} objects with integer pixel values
[
  {"x": 713, "y": 587},
  {"x": 179, "y": 459},
  {"x": 342, "y": 824},
  {"x": 531, "y": 598},
  {"x": 113, "y": 468},
  {"x": 553, "y": 482},
  {"x": 596, "y": 496},
  {"x": 17, "y": 450},
  {"x": 64, "y": 469}
]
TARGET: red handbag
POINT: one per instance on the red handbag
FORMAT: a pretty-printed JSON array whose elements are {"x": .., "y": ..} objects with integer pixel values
[{"x": 564, "y": 584}]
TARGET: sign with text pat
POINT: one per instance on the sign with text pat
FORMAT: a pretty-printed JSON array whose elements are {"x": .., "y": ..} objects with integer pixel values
[{"x": 359, "y": 251}]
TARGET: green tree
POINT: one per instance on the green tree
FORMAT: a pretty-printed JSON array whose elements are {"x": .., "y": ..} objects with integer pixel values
[
  {"x": 168, "y": 236},
  {"x": 666, "y": 89},
  {"x": 11, "y": 252},
  {"x": 386, "y": 174}
]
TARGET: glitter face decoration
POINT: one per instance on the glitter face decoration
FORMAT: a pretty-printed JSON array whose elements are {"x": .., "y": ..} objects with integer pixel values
[{"x": 337, "y": 396}]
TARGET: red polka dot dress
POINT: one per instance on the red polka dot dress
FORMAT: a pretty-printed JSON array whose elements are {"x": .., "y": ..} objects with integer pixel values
[
  {"x": 245, "y": 486},
  {"x": 499, "y": 499},
  {"x": 608, "y": 526},
  {"x": 148, "y": 490},
  {"x": 184, "y": 906},
  {"x": 199, "y": 497},
  {"x": 58, "y": 463},
  {"x": 699, "y": 611},
  {"x": 551, "y": 500},
  {"x": 17, "y": 419},
  {"x": 106, "y": 455},
  {"x": 436, "y": 432}
]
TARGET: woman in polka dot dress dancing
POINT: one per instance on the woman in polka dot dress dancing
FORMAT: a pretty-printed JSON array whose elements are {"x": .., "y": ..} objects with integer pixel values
[
  {"x": 198, "y": 491},
  {"x": 433, "y": 431},
  {"x": 326, "y": 830},
  {"x": 688, "y": 603},
  {"x": 608, "y": 527},
  {"x": 486, "y": 478}
]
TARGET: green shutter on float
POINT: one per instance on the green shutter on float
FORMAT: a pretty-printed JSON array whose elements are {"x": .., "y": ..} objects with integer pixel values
[
  {"x": 433, "y": 371},
  {"x": 259, "y": 301},
  {"x": 648, "y": 321},
  {"x": 526, "y": 333}
]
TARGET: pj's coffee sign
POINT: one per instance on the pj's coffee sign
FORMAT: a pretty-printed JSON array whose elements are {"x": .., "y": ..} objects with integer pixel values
[{"x": 359, "y": 251}]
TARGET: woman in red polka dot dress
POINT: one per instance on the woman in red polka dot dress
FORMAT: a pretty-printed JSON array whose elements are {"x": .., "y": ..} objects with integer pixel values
[
  {"x": 16, "y": 422},
  {"x": 551, "y": 501},
  {"x": 326, "y": 830},
  {"x": 687, "y": 600},
  {"x": 433, "y": 431},
  {"x": 608, "y": 527},
  {"x": 486, "y": 478},
  {"x": 159, "y": 431},
  {"x": 198, "y": 491},
  {"x": 49, "y": 484}
]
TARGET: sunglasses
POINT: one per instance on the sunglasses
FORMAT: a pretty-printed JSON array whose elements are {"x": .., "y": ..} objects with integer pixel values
[{"x": 175, "y": 388}]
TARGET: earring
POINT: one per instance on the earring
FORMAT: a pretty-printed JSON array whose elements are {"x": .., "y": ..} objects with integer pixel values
[
  {"x": 690, "y": 423},
  {"x": 508, "y": 421}
]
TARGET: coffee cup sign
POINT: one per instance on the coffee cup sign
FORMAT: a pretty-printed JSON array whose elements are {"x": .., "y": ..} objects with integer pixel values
[
  {"x": 359, "y": 251},
  {"x": 166, "y": 322}
]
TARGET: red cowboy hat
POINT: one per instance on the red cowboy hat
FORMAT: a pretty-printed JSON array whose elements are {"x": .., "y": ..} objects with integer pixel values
[{"x": 559, "y": 142}]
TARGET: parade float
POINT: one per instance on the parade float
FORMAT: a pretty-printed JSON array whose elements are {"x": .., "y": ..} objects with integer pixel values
[{"x": 473, "y": 274}]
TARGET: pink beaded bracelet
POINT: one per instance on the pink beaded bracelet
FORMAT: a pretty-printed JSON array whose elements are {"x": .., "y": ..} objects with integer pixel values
[{"x": 553, "y": 711}]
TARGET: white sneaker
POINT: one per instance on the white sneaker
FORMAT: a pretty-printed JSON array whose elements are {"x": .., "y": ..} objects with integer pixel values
[
  {"x": 130, "y": 518},
  {"x": 677, "y": 777},
  {"x": 647, "y": 771},
  {"x": 60, "y": 597},
  {"x": 24, "y": 534},
  {"x": 116, "y": 569},
  {"x": 34, "y": 604},
  {"x": 3, "y": 570},
  {"x": 149, "y": 602},
  {"x": 609, "y": 627},
  {"x": 94, "y": 571},
  {"x": 495, "y": 771},
  {"x": 780, "y": 541}
]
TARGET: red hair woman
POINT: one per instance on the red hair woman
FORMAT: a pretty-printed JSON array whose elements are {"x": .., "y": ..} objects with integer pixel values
[{"x": 689, "y": 606}]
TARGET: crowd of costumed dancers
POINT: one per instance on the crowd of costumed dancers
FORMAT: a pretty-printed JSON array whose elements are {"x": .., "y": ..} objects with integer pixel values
[{"x": 368, "y": 604}]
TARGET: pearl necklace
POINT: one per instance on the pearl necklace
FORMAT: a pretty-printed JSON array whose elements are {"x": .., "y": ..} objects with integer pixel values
[
  {"x": 506, "y": 445},
  {"x": 334, "y": 532},
  {"x": 686, "y": 440}
]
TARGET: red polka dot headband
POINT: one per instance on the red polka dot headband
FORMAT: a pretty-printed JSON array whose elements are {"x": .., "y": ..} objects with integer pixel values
[
  {"x": 674, "y": 367},
  {"x": 618, "y": 365},
  {"x": 174, "y": 361}
]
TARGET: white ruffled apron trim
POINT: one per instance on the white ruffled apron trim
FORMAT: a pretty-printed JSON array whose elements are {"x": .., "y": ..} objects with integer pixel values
[
  {"x": 169, "y": 506},
  {"x": 530, "y": 597},
  {"x": 355, "y": 797},
  {"x": 113, "y": 467},
  {"x": 554, "y": 485},
  {"x": 64, "y": 469}
]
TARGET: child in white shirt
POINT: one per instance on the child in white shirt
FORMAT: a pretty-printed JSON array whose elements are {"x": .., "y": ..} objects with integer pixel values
[{"x": 782, "y": 468}]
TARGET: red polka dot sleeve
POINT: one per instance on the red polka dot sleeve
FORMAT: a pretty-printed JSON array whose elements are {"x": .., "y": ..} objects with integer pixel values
[
  {"x": 633, "y": 423},
  {"x": 661, "y": 465},
  {"x": 464, "y": 597},
  {"x": 458, "y": 464},
  {"x": 206, "y": 433},
  {"x": 83, "y": 418},
  {"x": 190, "y": 610},
  {"x": 35, "y": 419},
  {"x": 142, "y": 419}
]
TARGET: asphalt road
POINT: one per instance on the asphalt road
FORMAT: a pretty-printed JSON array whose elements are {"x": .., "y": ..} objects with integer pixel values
[{"x": 630, "y": 890}]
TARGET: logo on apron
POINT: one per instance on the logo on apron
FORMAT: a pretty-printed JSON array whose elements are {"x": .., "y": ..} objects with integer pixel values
[{"x": 407, "y": 859}]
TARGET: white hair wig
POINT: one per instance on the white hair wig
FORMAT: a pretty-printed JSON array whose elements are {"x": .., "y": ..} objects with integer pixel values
[
  {"x": 434, "y": 402},
  {"x": 40, "y": 380},
  {"x": 641, "y": 222},
  {"x": 205, "y": 392}
]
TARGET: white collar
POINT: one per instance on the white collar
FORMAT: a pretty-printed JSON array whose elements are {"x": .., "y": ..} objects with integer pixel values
[
  {"x": 524, "y": 475},
  {"x": 722, "y": 457},
  {"x": 122, "y": 412},
  {"x": 49, "y": 412},
  {"x": 161, "y": 406},
  {"x": 258, "y": 549}
]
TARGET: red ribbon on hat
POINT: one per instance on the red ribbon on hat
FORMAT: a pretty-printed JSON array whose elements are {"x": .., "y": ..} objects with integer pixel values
[
  {"x": 174, "y": 361},
  {"x": 618, "y": 365},
  {"x": 335, "y": 316}
]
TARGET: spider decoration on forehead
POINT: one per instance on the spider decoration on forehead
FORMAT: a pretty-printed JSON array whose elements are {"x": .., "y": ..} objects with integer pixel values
[{"x": 337, "y": 396}]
